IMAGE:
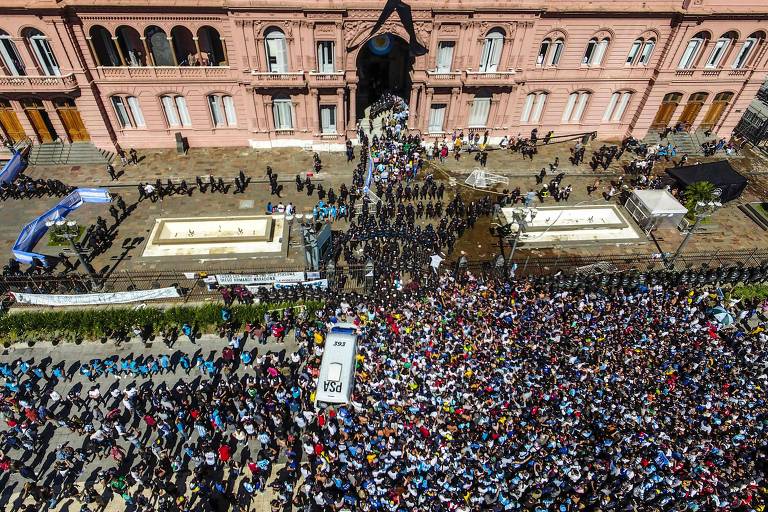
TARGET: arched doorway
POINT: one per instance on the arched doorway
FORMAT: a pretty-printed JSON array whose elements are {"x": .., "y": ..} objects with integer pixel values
[
  {"x": 716, "y": 110},
  {"x": 692, "y": 109},
  {"x": 70, "y": 118},
  {"x": 9, "y": 122},
  {"x": 39, "y": 119},
  {"x": 666, "y": 110},
  {"x": 384, "y": 64}
]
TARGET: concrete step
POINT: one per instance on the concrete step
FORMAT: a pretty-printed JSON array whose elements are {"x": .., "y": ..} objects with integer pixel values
[{"x": 78, "y": 153}]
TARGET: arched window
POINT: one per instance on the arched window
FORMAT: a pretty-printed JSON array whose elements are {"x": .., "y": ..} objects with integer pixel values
[
  {"x": 595, "y": 51},
  {"x": 645, "y": 55},
  {"x": 745, "y": 52},
  {"x": 176, "y": 112},
  {"x": 550, "y": 52},
  {"x": 104, "y": 47},
  {"x": 616, "y": 106},
  {"x": 41, "y": 48},
  {"x": 481, "y": 106},
  {"x": 184, "y": 46},
  {"x": 494, "y": 42},
  {"x": 212, "y": 46},
  {"x": 574, "y": 109},
  {"x": 534, "y": 106},
  {"x": 282, "y": 111},
  {"x": 277, "y": 51},
  {"x": 128, "y": 111},
  {"x": 11, "y": 60},
  {"x": 692, "y": 50},
  {"x": 159, "y": 46},
  {"x": 129, "y": 41},
  {"x": 222, "y": 110},
  {"x": 543, "y": 50},
  {"x": 557, "y": 51},
  {"x": 634, "y": 50},
  {"x": 720, "y": 49}
]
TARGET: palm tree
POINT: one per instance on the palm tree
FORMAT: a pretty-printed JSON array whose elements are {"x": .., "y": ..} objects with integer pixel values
[{"x": 701, "y": 191}]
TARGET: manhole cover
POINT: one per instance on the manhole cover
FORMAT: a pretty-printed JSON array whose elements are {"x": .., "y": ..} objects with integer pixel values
[{"x": 246, "y": 204}]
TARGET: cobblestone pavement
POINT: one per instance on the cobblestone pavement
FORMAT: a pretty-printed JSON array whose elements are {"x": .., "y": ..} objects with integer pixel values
[
  {"x": 729, "y": 229},
  {"x": 72, "y": 355}
]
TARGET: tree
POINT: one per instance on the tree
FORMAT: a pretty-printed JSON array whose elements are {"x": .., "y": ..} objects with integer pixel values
[{"x": 701, "y": 191}]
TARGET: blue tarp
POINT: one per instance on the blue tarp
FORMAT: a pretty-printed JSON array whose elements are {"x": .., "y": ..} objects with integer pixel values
[
  {"x": 13, "y": 167},
  {"x": 34, "y": 231}
]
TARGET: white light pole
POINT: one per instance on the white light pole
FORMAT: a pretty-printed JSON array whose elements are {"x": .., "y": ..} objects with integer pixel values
[{"x": 701, "y": 210}]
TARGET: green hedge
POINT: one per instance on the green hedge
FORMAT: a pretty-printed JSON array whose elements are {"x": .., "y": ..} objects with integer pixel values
[
  {"x": 92, "y": 323},
  {"x": 750, "y": 291}
]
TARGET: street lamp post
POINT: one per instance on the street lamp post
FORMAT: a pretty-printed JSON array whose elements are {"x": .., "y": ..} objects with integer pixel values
[
  {"x": 701, "y": 211},
  {"x": 69, "y": 231},
  {"x": 289, "y": 219},
  {"x": 521, "y": 217}
]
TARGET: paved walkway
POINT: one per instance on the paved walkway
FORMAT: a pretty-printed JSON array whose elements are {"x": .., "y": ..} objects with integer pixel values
[
  {"x": 731, "y": 229},
  {"x": 72, "y": 355}
]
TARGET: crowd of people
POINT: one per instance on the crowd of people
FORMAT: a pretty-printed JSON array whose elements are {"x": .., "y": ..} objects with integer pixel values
[
  {"x": 25, "y": 187},
  {"x": 469, "y": 394}
]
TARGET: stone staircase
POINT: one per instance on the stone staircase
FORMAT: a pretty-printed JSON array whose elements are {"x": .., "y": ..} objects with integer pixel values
[
  {"x": 77, "y": 153},
  {"x": 686, "y": 142}
]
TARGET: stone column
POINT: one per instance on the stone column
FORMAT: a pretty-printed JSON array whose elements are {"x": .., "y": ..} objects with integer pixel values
[
  {"x": 270, "y": 126},
  {"x": 197, "y": 49},
  {"x": 427, "y": 109},
  {"x": 173, "y": 51},
  {"x": 352, "y": 124},
  {"x": 148, "y": 55},
  {"x": 314, "y": 98},
  {"x": 225, "y": 62},
  {"x": 93, "y": 50},
  {"x": 413, "y": 100},
  {"x": 340, "y": 117},
  {"x": 255, "y": 106},
  {"x": 453, "y": 109},
  {"x": 119, "y": 51}
]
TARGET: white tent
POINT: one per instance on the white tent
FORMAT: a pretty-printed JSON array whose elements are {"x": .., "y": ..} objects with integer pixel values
[{"x": 653, "y": 207}]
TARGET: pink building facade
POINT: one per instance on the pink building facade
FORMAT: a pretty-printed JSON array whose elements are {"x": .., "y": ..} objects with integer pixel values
[{"x": 271, "y": 74}]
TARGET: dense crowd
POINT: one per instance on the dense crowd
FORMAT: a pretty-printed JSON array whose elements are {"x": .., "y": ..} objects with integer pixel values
[{"x": 469, "y": 394}]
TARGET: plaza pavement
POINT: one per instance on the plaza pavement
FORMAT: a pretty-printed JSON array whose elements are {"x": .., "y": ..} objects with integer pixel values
[
  {"x": 72, "y": 355},
  {"x": 729, "y": 228}
]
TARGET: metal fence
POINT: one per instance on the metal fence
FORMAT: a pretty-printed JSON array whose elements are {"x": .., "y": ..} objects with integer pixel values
[{"x": 360, "y": 278}]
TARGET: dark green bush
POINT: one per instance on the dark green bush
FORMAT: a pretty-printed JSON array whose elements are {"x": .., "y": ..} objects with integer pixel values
[{"x": 93, "y": 323}]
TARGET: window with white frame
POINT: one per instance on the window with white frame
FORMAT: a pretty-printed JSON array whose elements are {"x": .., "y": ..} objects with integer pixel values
[
  {"x": 222, "y": 109},
  {"x": 692, "y": 51},
  {"x": 543, "y": 50},
  {"x": 325, "y": 57},
  {"x": 481, "y": 106},
  {"x": 277, "y": 51},
  {"x": 492, "y": 45},
  {"x": 282, "y": 111},
  {"x": 437, "y": 117},
  {"x": 595, "y": 51},
  {"x": 175, "y": 110},
  {"x": 41, "y": 48},
  {"x": 533, "y": 107},
  {"x": 616, "y": 106},
  {"x": 557, "y": 52},
  {"x": 444, "y": 56},
  {"x": 9, "y": 54},
  {"x": 128, "y": 111},
  {"x": 645, "y": 54},
  {"x": 720, "y": 49},
  {"x": 328, "y": 118},
  {"x": 634, "y": 50},
  {"x": 742, "y": 57},
  {"x": 574, "y": 109}
]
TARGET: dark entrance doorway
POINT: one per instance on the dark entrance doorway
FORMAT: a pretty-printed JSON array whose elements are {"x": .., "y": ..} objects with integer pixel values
[{"x": 383, "y": 65}]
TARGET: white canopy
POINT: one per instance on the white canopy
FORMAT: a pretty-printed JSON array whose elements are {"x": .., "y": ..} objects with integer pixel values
[
  {"x": 651, "y": 207},
  {"x": 659, "y": 202}
]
